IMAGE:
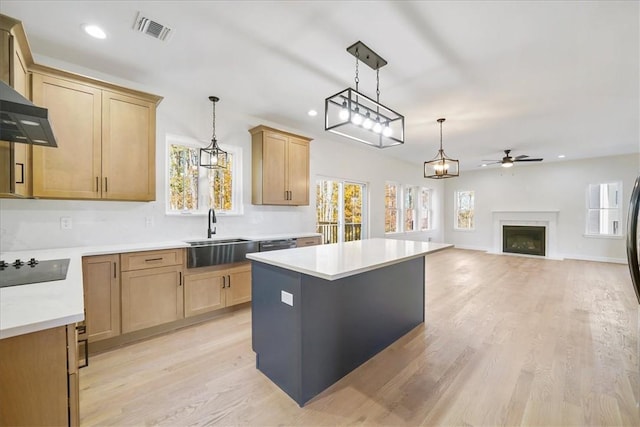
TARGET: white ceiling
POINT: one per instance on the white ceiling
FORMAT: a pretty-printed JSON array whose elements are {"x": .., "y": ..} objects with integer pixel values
[{"x": 540, "y": 78}]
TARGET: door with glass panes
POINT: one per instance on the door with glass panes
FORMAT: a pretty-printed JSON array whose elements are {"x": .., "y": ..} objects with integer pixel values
[{"x": 340, "y": 210}]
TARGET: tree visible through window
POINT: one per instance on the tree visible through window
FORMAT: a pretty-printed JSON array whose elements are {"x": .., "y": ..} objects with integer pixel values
[
  {"x": 195, "y": 189},
  {"x": 390, "y": 208},
  {"x": 464, "y": 210}
]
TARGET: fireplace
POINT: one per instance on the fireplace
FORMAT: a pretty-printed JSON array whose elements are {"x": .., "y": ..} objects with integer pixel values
[{"x": 528, "y": 240}]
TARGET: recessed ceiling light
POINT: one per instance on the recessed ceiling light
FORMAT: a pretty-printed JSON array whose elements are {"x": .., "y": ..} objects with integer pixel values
[
  {"x": 484, "y": 165},
  {"x": 94, "y": 31},
  {"x": 312, "y": 113},
  {"x": 561, "y": 156}
]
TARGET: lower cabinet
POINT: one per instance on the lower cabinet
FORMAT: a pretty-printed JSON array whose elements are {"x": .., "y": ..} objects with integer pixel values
[
  {"x": 101, "y": 279},
  {"x": 211, "y": 288},
  {"x": 39, "y": 378},
  {"x": 151, "y": 297},
  {"x": 151, "y": 288}
]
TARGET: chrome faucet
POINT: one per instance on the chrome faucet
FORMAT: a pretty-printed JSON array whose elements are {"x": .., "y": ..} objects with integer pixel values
[{"x": 212, "y": 220}]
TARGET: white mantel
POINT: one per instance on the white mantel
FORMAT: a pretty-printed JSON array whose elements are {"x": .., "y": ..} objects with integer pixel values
[{"x": 540, "y": 218}]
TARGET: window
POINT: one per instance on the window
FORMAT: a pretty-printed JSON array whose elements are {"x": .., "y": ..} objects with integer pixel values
[
  {"x": 425, "y": 209},
  {"x": 464, "y": 210},
  {"x": 391, "y": 208},
  {"x": 603, "y": 209},
  {"x": 193, "y": 189},
  {"x": 411, "y": 209},
  {"x": 409, "y": 206}
]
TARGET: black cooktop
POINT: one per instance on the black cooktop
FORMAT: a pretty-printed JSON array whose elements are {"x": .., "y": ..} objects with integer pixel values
[{"x": 33, "y": 271}]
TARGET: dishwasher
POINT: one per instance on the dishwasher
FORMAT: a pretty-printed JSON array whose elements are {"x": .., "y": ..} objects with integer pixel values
[{"x": 274, "y": 245}]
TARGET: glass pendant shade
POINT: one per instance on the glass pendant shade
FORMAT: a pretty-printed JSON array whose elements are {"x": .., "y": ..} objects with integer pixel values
[
  {"x": 441, "y": 166},
  {"x": 212, "y": 156}
]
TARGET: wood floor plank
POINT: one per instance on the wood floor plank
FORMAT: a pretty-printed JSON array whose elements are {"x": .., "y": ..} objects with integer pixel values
[{"x": 508, "y": 340}]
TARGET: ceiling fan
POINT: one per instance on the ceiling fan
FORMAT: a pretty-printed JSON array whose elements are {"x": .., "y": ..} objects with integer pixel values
[{"x": 508, "y": 160}]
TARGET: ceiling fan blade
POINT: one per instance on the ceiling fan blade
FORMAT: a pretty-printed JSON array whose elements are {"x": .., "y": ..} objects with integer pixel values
[
  {"x": 491, "y": 160},
  {"x": 527, "y": 160},
  {"x": 521, "y": 156}
]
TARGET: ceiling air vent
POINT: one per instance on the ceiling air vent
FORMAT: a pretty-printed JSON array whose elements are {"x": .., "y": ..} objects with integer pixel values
[{"x": 148, "y": 26}]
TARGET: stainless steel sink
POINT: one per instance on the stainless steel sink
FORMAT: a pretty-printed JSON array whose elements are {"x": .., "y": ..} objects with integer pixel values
[{"x": 203, "y": 253}]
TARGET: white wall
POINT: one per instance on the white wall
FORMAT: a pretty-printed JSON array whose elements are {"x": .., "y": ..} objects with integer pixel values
[
  {"x": 550, "y": 186},
  {"x": 35, "y": 224}
]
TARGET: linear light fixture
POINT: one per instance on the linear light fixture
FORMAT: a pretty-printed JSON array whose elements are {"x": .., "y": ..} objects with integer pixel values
[
  {"x": 441, "y": 166},
  {"x": 354, "y": 115},
  {"x": 212, "y": 156}
]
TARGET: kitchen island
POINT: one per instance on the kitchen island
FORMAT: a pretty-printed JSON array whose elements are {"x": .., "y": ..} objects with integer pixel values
[{"x": 320, "y": 312}]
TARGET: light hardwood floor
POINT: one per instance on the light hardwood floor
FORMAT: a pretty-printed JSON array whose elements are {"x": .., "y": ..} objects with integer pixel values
[{"x": 507, "y": 341}]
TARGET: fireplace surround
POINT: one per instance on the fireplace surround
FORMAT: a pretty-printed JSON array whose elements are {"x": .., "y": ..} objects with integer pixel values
[{"x": 541, "y": 218}]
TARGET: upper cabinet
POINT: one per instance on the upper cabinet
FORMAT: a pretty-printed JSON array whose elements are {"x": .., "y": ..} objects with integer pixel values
[
  {"x": 15, "y": 58},
  {"x": 106, "y": 134},
  {"x": 106, "y": 140},
  {"x": 280, "y": 167}
]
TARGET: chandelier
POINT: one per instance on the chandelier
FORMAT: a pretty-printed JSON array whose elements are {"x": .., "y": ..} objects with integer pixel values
[
  {"x": 441, "y": 166},
  {"x": 356, "y": 116},
  {"x": 212, "y": 156}
]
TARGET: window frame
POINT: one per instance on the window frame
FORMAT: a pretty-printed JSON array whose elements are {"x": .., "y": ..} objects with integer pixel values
[
  {"x": 400, "y": 209},
  {"x": 618, "y": 210},
  {"x": 203, "y": 179},
  {"x": 456, "y": 210}
]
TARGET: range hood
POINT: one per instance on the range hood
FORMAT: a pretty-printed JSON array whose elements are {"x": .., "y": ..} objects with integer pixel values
[{"x": 22, "y": 121}]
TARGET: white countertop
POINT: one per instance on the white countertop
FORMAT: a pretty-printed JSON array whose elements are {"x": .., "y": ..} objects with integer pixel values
[
  {"x": 38, "y": 306},
  {"x": 338, "y": 260}
]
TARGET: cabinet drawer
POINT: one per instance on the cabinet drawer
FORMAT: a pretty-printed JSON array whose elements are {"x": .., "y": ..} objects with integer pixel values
[
  {"x": 151, "y": 259},
  {"x": 308, "y": 241}
]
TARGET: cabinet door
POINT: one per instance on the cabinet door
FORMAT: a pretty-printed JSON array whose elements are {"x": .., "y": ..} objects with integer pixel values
[
  {"x": 203, "y": 292},
  {"x": 238, "y": 287},
  {"x": 128, "y": 148},
  {"x": 274, "y": 173},
  {"x": 33, "y": 385},
  {"x": 72, "y": 170},
  {"x": 101, "y": 296},
  {"x": 151, "y": 297},
  {"x": 298, "y": 172}
]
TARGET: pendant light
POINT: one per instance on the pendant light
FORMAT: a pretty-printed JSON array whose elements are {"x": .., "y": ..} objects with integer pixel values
[
  {"x": 354, "y": 115},
  {"x": 213, "y": 157},
  {"x": 441, "y": 166}
]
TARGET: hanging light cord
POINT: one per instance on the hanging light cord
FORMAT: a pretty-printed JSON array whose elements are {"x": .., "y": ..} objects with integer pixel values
[
  {"x": 357, "y": 79},
  {"x": 213, "y": 136}
]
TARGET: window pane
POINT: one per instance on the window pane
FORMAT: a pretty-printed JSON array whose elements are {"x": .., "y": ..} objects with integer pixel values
[
  {"x": 221, "y": 186},
  {"x": 425, "y": 209},
  {"x": 464, "y": 209},
  {"x": 391, "y": 208},
  {"x": 603, "y": 196},
  {"x": 183, "y": 178},
  {"x": 352, "y": 212}
]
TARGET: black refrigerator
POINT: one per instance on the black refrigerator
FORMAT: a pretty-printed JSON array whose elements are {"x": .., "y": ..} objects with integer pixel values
[{"x": 633, "y": 237}]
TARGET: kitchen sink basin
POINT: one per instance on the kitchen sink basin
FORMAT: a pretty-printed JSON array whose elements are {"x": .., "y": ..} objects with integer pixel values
[{"x": 204, "y": 253}]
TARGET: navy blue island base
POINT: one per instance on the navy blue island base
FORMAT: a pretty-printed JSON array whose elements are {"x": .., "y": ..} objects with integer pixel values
[{"x": 333, "y": 326}]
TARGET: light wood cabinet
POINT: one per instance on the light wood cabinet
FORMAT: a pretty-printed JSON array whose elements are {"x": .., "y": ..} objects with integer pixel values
[
  {"x": 308, "y": 241},
  {"x": 151, "y": 294},
  {"x": 212, "y": 288},
  {"x": 106, "y": 139},
  {"x": 280, "y": 167},
  {"x": 15, "y": 57},
  {"x": 39, "y": 378},
  {"x": 101, "y": 278}
]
